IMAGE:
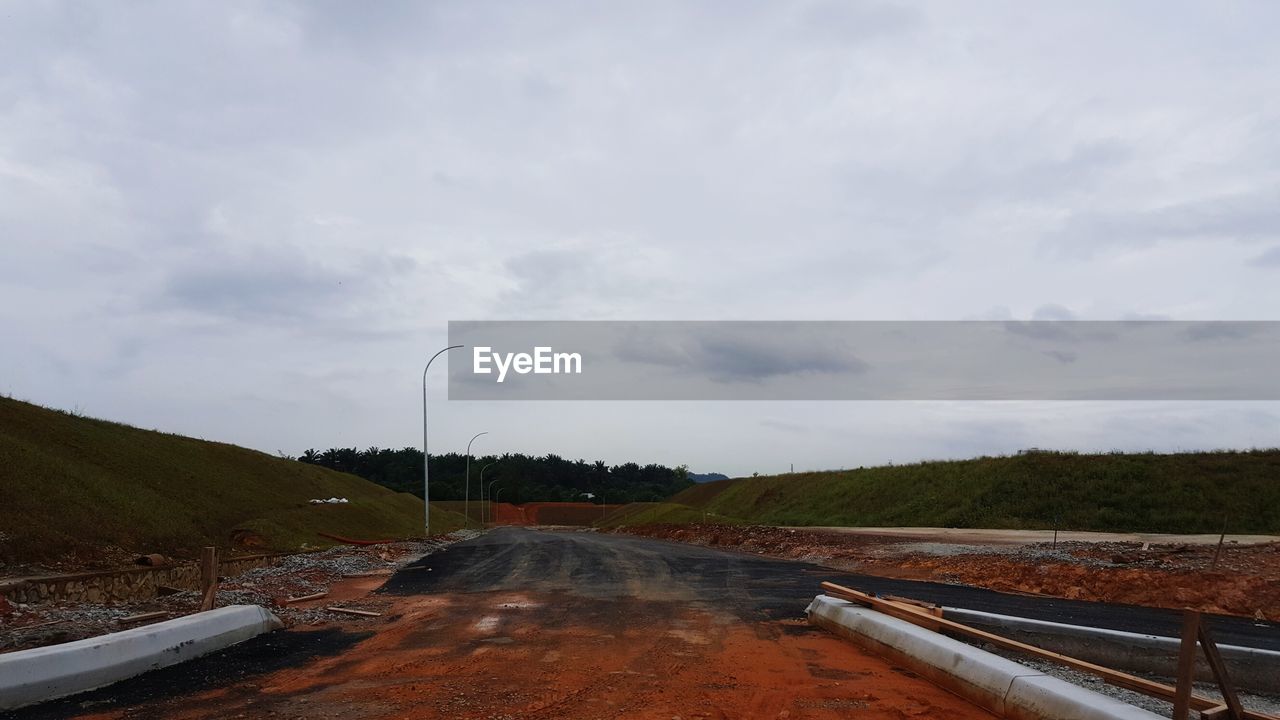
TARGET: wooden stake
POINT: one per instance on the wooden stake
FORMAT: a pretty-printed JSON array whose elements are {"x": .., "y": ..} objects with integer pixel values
[
  {"x": 208, "y": 578},
  {"x": 1221, "y": 538},
  {"x": 1186, "y": 665},
  {"x": 1235, "y": 710}
]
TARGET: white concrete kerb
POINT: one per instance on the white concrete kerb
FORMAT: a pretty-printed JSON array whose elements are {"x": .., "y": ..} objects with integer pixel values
[
  {"x": 1005, "y": 687},
  {"x": 32, "y": 676}
]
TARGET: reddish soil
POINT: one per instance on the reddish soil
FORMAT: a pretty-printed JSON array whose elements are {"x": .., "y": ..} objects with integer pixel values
[
  {"x": 1245, "y": 582},
  {"x": 508, "y": 655},
  {"x": 549, "y": 513}
]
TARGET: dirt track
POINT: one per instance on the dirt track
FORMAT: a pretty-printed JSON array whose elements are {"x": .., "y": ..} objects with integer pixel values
[
  {"x": 525, "y": 624},
  {"x": 1177, "y": 575}
]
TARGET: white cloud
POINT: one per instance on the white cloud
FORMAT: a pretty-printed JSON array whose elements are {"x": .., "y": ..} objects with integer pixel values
[{"x": 290, "y": 200}]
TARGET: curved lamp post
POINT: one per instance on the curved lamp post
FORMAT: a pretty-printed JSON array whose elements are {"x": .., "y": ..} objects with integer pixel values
[
  {"x": 491, "y": 498},
  {"x": 426, "y": 456},
  {"x": 466, "y": 497},
  {"x": 486, "y": 467}
]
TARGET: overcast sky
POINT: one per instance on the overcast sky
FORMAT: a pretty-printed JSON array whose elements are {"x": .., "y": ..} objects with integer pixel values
[{"x": 251, "y": 221}]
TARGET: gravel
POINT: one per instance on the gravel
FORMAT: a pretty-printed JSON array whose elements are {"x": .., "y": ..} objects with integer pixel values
[{"x": 292, "y": 576}]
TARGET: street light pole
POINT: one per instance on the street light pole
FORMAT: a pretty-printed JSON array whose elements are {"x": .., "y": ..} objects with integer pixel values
[
  {"x": 426, "y": 456},
  {"x": 486, "y": 467},
  {"x": 466, "y": 497},
  {"x": 491, "y": 498},
  {"x": 500, "y": 490}
]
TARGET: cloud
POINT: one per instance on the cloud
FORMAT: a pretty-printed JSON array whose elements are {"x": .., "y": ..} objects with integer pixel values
[
  {"x": 748, "y": 354},
  {"x": 1063, "y": 356},
  {"x": 1247, "y": 217},
  {"x": 1269, "y": 258},
  {"x": 277, "y": 285},
  {"x": 292, "y": 199},
  {"x": 1210, "y": 331}
]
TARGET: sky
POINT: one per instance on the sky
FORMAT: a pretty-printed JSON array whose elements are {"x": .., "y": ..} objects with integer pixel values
[{"x": 251, "y": 222}]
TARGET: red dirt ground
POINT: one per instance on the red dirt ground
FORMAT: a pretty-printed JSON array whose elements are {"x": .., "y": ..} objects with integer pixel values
[
  {"x": 516, "y": 655},
  {"x": 549, "y": 513},
  {"x": 1246, "y": 581}
]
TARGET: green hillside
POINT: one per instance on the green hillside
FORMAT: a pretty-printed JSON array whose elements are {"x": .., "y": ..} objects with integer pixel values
[
  {"x": 73, "y": 484},
  {"x": 646, "y": 513},
  {"x": 1188, "y": 492}
]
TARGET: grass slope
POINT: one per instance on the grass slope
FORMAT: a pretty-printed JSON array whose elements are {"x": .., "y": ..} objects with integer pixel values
[
  {"x": 647, "y": 513},
  {"x": 1185, "y": 493},
  {"x": 71, "y": 484}
]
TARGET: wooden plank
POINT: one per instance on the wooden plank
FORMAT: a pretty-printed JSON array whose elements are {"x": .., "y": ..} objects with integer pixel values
[
  {"x": 932, "y": 609},
  {"x": 305, "y": 598},
  {"x": 40, "y": 625},
  {"x": 142, "y": 617},
  {"x": 1114, "y": 677},
  {"x": 1219, "y": 669},
  {"x": 1186, "y": 665},
  {"x": 208, "y": 578},
  {"x": 351, "y": 611}
]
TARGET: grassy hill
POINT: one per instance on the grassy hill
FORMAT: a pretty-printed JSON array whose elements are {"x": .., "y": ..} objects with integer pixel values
[
  {"x": 71, "y": 484},
  {"x": 1188, "y": 492},
  {"x": 646, "y": 513}
]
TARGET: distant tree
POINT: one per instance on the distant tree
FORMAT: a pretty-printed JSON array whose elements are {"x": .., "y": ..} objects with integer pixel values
[{"x": 525, "y": 478}]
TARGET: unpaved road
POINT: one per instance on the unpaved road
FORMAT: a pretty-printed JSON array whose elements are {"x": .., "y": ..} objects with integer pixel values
[
  {"x": 532, "y": 624},
  {"x": 528, "y": 624}
]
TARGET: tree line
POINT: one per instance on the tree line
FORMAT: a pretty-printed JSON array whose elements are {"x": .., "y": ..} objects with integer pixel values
[{"x": 522, "y": 478}]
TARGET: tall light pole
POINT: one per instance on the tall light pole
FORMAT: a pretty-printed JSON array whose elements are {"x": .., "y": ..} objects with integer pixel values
[
  {"x": 486, "y": 467},
  {"x": 466, "y": 497},
  {"x": 491, "y": 499},
  {"x": 500, "y": 490},
  {"x": 426, "y": 456}
]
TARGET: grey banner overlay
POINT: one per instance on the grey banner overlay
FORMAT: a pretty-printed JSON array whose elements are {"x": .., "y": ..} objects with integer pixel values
[{"x": 865, "y": 360}]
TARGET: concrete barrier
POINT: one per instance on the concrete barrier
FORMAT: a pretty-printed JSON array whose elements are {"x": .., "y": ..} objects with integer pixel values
[
  {"x": 32, "y": 676},
  {"x": 1002, "y": 686},
  {"x": 1250, "y": 668}
]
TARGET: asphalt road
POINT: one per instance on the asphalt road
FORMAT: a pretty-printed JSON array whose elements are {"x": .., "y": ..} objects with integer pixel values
[{"x": 750, "y": 586}]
